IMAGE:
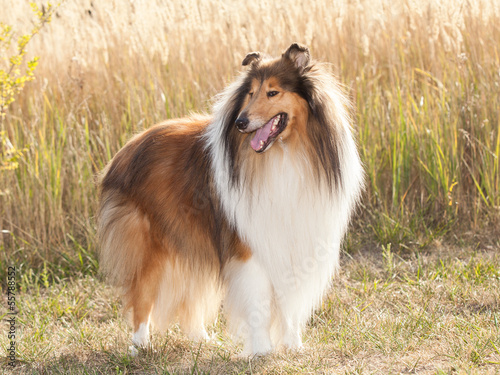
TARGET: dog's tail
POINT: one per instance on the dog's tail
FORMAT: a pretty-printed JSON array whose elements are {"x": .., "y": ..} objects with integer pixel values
[{"x": 123, "y": 233}]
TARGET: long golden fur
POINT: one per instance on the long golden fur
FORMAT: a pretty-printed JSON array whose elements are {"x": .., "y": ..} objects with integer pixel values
[{"x": 182, "y": 217}]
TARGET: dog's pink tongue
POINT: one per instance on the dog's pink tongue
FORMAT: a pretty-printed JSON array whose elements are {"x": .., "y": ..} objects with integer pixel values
[{"x": 262, "y": 134}]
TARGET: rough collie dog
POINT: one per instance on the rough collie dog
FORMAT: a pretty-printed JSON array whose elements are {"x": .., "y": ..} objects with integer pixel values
[{"x": 248, "y": 205}]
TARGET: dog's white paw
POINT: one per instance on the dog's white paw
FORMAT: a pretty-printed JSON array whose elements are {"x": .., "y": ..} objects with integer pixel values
[
  {"x": 199, "y": 335},
  {"x": 141, "y": 336},
  {"x": 132, "y": 351},
  {"x": 293, "y": 341},
  {"x": 258, "y": 348}
]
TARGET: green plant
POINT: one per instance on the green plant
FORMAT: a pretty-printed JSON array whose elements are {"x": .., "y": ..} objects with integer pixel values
[{"x": 15, "y": 71}]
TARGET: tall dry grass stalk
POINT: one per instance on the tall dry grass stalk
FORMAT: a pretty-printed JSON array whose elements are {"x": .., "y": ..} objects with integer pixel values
[{"x": 424, "y": 78}]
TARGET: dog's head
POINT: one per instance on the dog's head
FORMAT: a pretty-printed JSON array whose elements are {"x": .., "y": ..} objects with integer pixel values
[{"x": 275, "y": 105}]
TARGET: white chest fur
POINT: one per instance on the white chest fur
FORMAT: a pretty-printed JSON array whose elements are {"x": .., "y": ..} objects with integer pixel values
[{"x": 292, "y": 224}]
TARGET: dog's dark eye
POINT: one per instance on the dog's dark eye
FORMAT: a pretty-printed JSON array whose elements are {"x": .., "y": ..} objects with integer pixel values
[
  {"x": 272, "y": 93},
  {"x": 250, "y": 93}
]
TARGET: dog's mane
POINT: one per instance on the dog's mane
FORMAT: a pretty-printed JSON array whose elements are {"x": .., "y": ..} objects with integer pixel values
[{"x": 327, "y": 116}]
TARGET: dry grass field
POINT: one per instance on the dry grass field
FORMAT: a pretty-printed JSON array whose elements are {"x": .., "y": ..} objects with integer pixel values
[
  {"x": 419, "y": 287},
  {"x": 427, "y": 314}
]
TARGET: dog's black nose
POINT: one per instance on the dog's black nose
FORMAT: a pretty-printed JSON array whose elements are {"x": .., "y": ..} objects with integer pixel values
[{"x": 241, "y": 123}]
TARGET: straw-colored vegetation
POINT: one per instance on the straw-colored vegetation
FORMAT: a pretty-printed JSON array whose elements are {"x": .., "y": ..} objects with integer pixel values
[
  {"x": 424, "y": 78},
  {"x": 427, "y": 314}
]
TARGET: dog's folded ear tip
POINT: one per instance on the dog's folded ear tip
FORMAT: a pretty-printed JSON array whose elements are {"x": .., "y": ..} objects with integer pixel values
[
  {"x": 298, "y": 46},
  {"x": 251, "y": 58}
]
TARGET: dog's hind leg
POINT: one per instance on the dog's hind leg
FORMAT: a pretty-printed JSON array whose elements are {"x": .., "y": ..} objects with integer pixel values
[
  {"x": 131, "y": 260},
  {"x": 200, "y": 306},
  {"x": 141, "y": 299},
  {"x": 188, "y": 294},
  {"x": 192, "y": 319}
]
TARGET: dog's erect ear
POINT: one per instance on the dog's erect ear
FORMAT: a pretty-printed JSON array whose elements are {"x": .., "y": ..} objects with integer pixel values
[
  {"x": 299, "y": 54},
  {"x": 251, "y": 58}
]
